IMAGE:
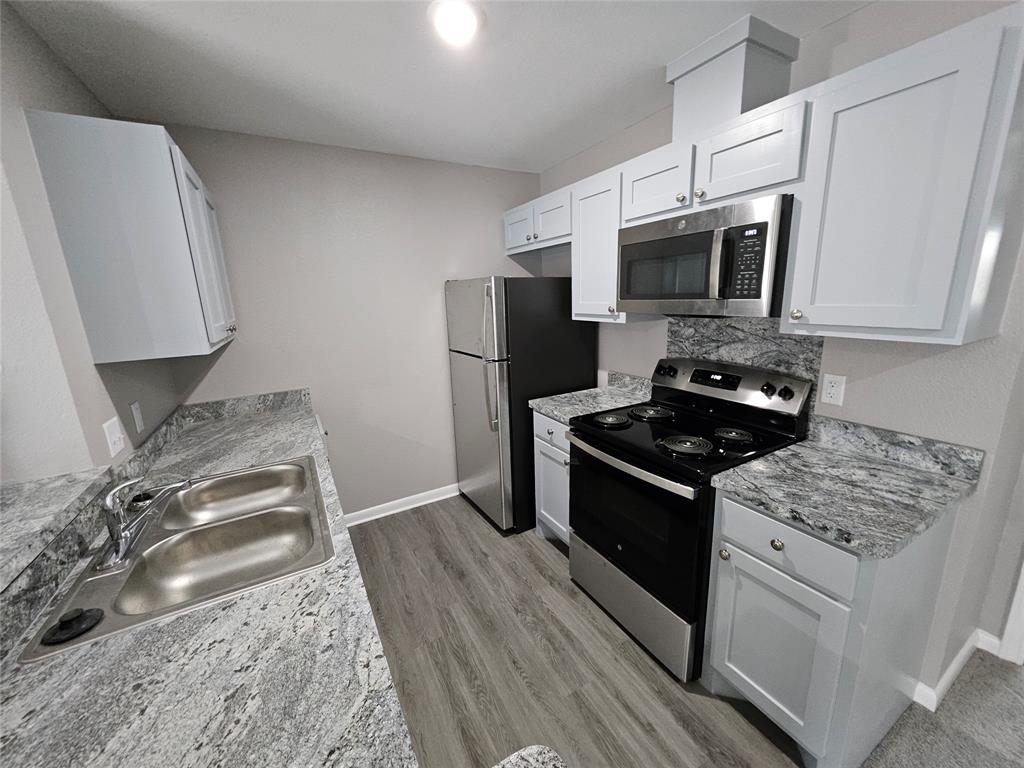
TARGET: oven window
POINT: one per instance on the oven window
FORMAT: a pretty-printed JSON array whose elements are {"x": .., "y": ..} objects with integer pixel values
[
  {"x": 669, "y": 268},
  {"x": 654, "y": 536}
]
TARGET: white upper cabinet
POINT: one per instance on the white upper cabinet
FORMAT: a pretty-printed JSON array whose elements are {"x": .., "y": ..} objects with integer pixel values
[
  {"x": 552, "y": 216},
  {"x": 761, "y": 153},
  {"x": 540, "y": 223},
  {"x": 900, "y": 197},
  {"x": 595, "y": 244},
  {"x": 519, "y": 226},
  {"x": 207, "y": 252},
  {"x": 657, "y": 182},
  {"x": 145, "y": 262}
]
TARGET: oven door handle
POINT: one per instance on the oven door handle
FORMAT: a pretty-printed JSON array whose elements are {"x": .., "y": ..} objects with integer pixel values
[{"x": 686, "y": 491}]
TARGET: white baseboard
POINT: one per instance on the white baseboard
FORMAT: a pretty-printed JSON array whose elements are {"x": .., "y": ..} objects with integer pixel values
[
  {"x": 400, "y": 505},
  {"x": 929, "y": 697}
]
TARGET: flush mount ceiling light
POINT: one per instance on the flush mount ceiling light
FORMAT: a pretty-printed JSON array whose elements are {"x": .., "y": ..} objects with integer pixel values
[{"x": 456, "y": 21}]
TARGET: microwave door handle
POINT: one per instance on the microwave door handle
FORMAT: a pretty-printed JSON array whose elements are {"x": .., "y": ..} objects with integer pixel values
[
  {"x": 715, "y": 268},
  {"x": 648, "y": 477}
]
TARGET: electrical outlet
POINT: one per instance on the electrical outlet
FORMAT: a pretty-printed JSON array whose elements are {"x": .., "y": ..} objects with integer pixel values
[
  {"x": 833, "y": 389},
  {"x": 137, "y": 415},
  {"x": 115, "y": 436}
]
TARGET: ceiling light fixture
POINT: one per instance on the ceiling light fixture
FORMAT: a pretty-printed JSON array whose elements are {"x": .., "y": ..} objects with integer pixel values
[{"x": 456, "y": 21}]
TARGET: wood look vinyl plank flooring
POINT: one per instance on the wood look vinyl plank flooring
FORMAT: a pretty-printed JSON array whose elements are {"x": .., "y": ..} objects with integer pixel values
[{"x": 492, "y": 648}]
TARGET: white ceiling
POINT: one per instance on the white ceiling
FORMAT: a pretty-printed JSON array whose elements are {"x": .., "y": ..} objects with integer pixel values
[{"x": 543, "y": 81}]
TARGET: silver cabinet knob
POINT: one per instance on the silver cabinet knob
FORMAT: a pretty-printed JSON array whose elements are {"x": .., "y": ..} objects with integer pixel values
[
  {"x": 699, "y": 193},
  {"x": 778, "y": 545},
  {"x": 536, "y": 236},
  {"x": 528, "y": 238},
  {"x": 611, "y": 310},
  {"x": 796, "y": 314},
  {"x": 724, "y": 554},
  {"x": 565, "y": 462},
  {"x": 551, "y": 432},
  {"x": 680, "y": 198}
]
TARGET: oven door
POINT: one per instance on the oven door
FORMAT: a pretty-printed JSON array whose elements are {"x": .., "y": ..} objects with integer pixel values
[{"x": 655, "y": 530}]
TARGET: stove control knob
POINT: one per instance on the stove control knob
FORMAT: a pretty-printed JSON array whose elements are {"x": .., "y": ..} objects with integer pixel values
[
  {"x": 672, "y": 371},
  {"x": 768, "y": 388},
  {"x": 661, "y": 370},
  {"x": 786, "y": 393}
]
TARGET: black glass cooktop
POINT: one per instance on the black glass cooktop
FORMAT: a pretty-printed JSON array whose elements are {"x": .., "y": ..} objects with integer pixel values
[{"x": 688, "y": 444}]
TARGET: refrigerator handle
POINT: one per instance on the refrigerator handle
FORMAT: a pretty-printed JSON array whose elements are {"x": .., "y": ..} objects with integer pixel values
[
  {"x": 489, "y": 313},
  {"x": 488, "y": 403}
]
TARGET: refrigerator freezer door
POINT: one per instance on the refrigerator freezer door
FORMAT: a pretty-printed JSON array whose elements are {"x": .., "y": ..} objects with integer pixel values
[
  {"x": 476, "y": 317},
  {"x": 482, "y": 447}
]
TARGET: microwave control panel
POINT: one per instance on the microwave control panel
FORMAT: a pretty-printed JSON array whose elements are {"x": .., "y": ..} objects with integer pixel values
[{"x": 746, "y": 247}]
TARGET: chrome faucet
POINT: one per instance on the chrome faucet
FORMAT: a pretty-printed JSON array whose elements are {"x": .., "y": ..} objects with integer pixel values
[{"x": 123, "y": 526}]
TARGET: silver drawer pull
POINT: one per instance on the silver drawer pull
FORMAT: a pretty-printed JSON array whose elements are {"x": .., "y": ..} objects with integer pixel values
[
  {"x": 565, "y": 462},
  {"x": 724, "y": 554},
  {"x": 778, "y": 545},
  {"x": 551, "y": 432}
]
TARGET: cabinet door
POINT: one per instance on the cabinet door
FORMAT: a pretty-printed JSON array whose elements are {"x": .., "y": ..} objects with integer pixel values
[
  {"x": 595, "y": 247},
  {"x": 552, "y": 216},
  {"x": 761, "y": 153},
  {"x": 780, "y": 643},
  {"x": 890, "y": 162},
  {"x": 551, "y": 487},
  {"x": 207, "y": 260},
  {"x": 221, "y": 270},
  {"x": 519, "y": 226},
  {"x": 657, "y": 182}
]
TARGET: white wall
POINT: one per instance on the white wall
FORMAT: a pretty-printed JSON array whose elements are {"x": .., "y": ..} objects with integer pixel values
[
  {"x": 971, "y": 395},
  {"x": 33, "y": 78},
  {"x": 41, "y": 435},
  {"x": 337, "y": 260}
]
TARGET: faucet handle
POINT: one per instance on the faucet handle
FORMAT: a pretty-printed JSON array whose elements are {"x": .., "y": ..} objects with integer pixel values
[{"x": 112, "y": 501}]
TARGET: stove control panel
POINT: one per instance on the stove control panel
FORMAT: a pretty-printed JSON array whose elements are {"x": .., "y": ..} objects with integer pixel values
[{"x": 768, "y": 390}]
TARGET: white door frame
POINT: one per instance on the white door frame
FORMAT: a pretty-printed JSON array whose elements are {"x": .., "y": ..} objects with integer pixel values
[{"x": 1012, "y": 645}]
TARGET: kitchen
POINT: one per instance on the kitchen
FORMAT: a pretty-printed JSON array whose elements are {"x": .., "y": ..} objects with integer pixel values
[{"x": 442, "y": 639}]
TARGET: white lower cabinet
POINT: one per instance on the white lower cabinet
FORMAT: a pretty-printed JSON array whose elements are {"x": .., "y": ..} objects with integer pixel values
[
  {"x": 551, "y": 488},
  {"x": 828, "y": 645},
  {"x": 779, "y": 642}
]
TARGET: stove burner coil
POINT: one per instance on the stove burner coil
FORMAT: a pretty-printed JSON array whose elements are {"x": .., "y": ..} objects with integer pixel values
[
  {"x": 611, "y": 420},
  {"x": 650, "y": 413},
  {"x": 685, "y": 445},
  {"x": 734, "y": 435}
]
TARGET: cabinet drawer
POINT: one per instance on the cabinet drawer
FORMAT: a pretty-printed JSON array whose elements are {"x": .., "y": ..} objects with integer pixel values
[
  {"x": 761, "y": 153},
  {"x": 802, "y": 555},
  {"x": 550, "y": 431}
]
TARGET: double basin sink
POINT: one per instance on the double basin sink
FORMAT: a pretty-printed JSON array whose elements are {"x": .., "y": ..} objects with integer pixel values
[{"x": 211, "y": 539}]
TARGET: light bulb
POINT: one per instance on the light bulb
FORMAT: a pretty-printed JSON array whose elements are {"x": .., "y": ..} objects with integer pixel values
[{"x": 456, "y": 21}]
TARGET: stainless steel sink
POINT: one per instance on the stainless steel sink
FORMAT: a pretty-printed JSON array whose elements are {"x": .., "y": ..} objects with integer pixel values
[{"x": 211, "y": 540}]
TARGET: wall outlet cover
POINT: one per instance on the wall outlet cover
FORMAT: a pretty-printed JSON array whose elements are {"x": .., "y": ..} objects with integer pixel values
[
  {"x": 137, "y": 416},
  {"x": 833, "y": 389},
  {"x": 115, "y": 436}
]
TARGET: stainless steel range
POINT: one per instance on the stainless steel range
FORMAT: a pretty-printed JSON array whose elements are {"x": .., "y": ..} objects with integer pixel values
[{"x": 641, "y": 502}]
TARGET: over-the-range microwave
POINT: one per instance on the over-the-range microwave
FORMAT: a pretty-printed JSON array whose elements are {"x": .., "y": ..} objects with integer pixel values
[{"x": 725, "y": 261}]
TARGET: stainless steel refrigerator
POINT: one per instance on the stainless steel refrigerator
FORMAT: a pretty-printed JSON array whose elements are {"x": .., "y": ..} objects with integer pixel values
[{"x": 510, "y": 339}]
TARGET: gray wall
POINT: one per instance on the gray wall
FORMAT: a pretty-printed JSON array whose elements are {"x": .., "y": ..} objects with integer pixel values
[
  {"x": 971, "y": 395},
  {"x": 337, "y": 260},
  {"x": 36, "y": 402},
  {"x": 33, "y": 78}
]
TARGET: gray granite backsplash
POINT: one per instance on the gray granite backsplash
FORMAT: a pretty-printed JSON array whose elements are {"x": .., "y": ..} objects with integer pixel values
[
  {"x": 922, "y": 453},
  {"x": 630, "y": 383},
  {"x": 535, "y": 756},
  {"x": 34, "y": 566},
  {"x": 745, "y": 341}
]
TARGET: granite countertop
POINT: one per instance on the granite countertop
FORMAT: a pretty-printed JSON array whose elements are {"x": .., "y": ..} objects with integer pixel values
[
  {"x": 622, "y": 390},
  {"x": 33, "y": 512},
  {"x": 290, "y": 674},
  {"x": 871, "y": 490},
  {"x": 535, "y": 756}
]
